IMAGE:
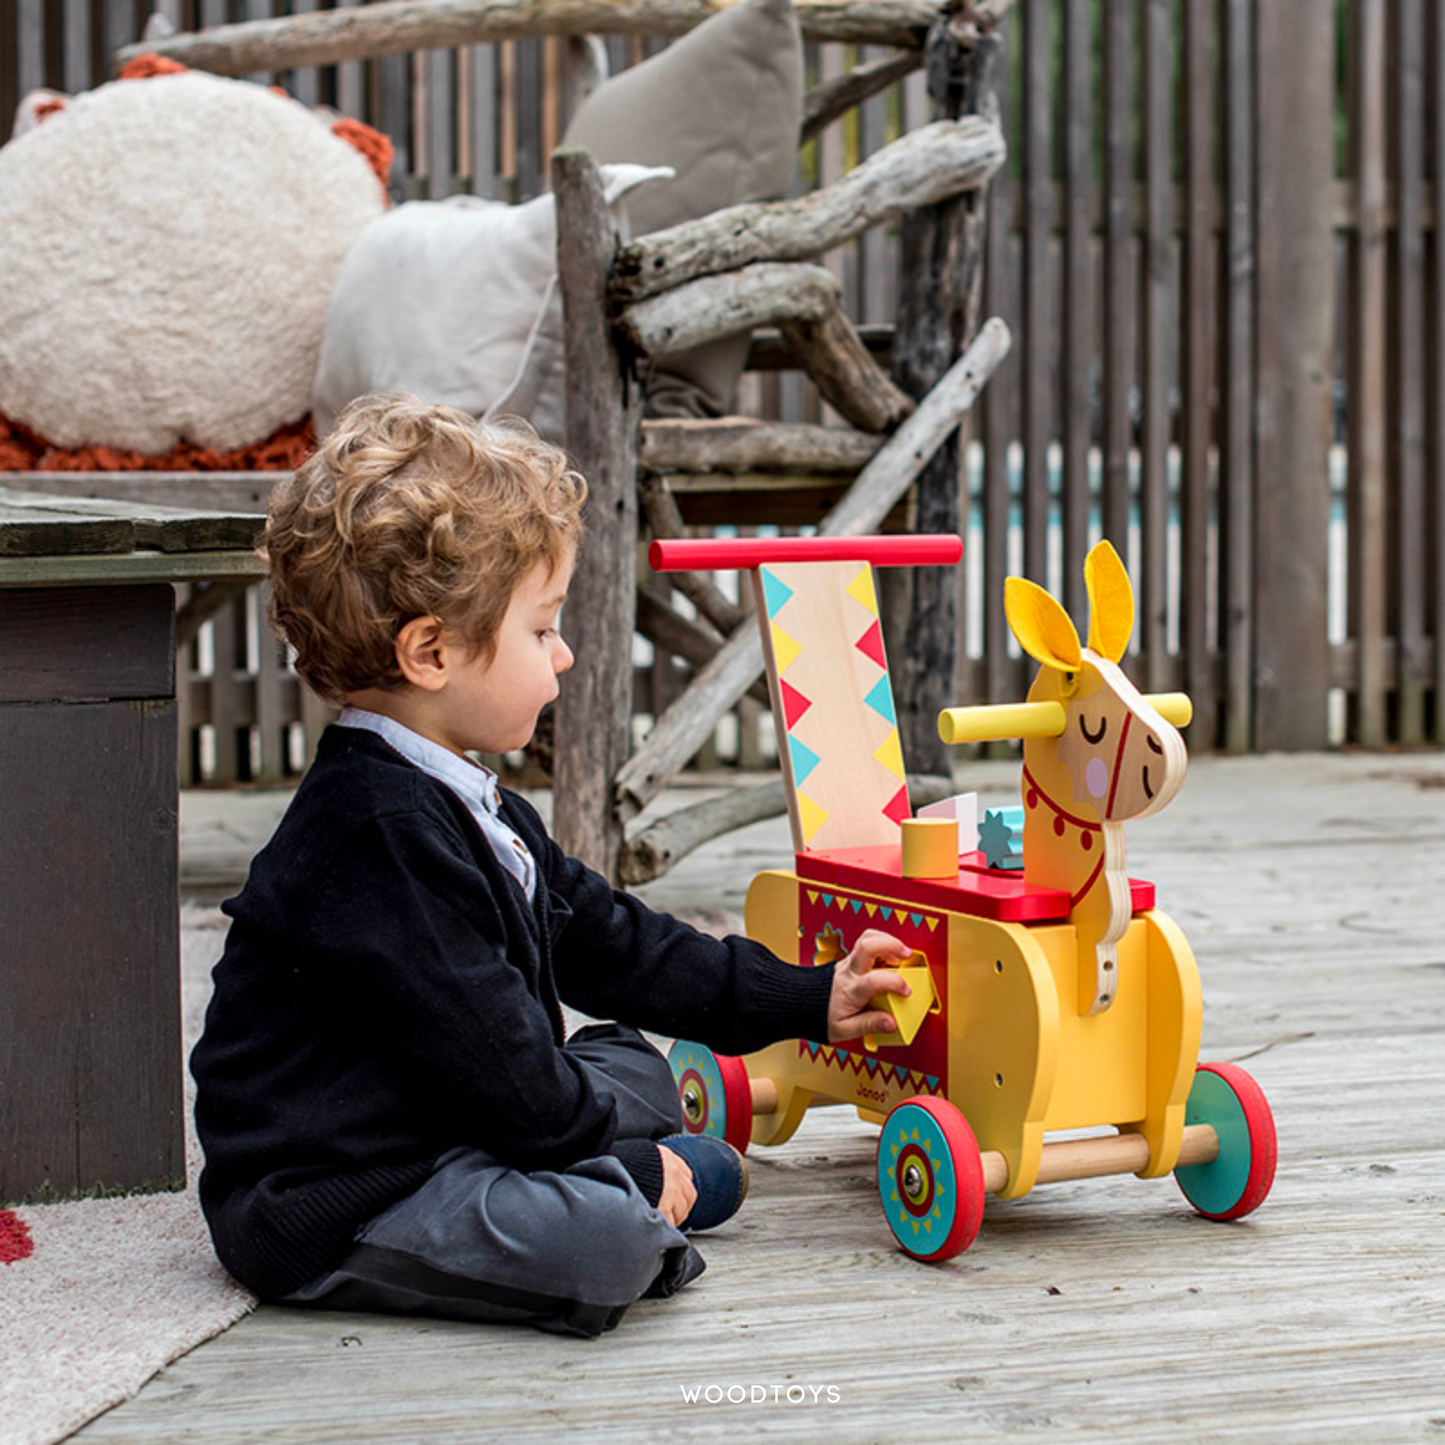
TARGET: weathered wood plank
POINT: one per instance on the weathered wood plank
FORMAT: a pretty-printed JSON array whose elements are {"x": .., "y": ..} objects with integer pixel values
[
  {"x": 28, "y": 532},
  {"x": 1157, "y": 352},
  {"x": 1078, "y": 336},
  {"x": 90, "y": 1092},
  {"x": 1276, "y": 876},
  {"x": 166, "y": 528},
  {"x": 1196, "y": 362},
  {"x": 1296, "y": 319},
  {"x": 1409, "y": 367},
  {"x": 1118, "y": 244},
  {"x": 1236, "y": 472},
  {"x": 80, "y": 643},
  {"x": 203, "y": 491},
  {"x": 742, "y": 444},
  {"x": 1365, "y": 372},
  {"x": 395, "y": 26},
  {"x": 1036, "y": 355}
]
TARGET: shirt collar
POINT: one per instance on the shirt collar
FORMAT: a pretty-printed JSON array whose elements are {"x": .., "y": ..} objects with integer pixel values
[{"x": 473, "y": 782}]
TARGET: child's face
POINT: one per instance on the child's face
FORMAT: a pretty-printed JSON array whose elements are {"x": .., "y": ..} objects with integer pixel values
[{"x": 492, "y": 706}]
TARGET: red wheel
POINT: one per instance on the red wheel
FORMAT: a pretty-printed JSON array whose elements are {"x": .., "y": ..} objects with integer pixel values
[
  {"x": 1236, "y": 1182},
  {"x": 930, "y": 1179},
  {"x": 714, "y": 1092}
]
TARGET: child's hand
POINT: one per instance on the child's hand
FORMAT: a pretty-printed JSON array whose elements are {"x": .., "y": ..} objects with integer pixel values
[
  {"x": 856, "y": 980},
  {"x": 679, "y": 1193}
]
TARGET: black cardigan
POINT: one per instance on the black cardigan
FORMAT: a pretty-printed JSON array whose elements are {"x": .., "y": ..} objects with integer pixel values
[{"x": 386, "y": 994}]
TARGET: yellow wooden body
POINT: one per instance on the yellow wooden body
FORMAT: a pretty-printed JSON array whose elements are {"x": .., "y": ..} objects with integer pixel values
[{"x": 1022, "y": 1060}]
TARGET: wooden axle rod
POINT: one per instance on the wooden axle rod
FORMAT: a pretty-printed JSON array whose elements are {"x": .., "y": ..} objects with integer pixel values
[{"x": 1066, "y": 1159}]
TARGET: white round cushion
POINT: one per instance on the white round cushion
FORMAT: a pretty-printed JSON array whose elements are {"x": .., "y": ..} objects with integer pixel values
[{"x": 170, "y": 245}]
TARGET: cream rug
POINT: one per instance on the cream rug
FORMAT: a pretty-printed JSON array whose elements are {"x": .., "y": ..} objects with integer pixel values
[{"x": 111, "y": 1290}]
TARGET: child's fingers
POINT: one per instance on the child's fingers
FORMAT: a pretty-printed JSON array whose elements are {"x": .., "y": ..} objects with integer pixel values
[
  {"x": 873, "y": 946},
  {"x": 884, "y": 980},
  {"x": 860, "y": 1024}
]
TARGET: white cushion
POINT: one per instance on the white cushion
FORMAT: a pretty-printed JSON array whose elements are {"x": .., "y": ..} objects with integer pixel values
[{"x": 456, "y": 301}]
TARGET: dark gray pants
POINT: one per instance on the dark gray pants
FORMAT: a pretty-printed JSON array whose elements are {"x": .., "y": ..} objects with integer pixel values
[{"x": 566, "y": 1252}]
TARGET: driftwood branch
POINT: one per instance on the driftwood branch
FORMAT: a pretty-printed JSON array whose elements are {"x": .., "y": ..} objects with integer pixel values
[
  {"x": 805, "y": 302},
  {"x": 845, "y": 373},
  {"x": 923, "y": 167},
  {"x": 683, "y": 728},
  {"x": 770, "y": 350},
  {"x": 704, "y": 594},
  {"x": 825, "y": 103},
  {"x": 694, "y": 644},
  {"x": 660, "y": 844},
  {"x": 604, "y": 412},
  {"x": 739, "y": 444},
  {"x": 325, "y": 37}
]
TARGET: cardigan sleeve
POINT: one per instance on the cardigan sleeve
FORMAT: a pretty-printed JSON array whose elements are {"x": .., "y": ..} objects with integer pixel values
[
  {"x": 416, "y": 953},
  {"x": 617, "y": 958}
]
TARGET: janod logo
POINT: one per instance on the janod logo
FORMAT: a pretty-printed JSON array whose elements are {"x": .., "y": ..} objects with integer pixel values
[{"x": 761, "y": 1394}]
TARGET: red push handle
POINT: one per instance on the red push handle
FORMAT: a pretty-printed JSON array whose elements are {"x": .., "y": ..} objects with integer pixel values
[{"x": 729, "y": 554}]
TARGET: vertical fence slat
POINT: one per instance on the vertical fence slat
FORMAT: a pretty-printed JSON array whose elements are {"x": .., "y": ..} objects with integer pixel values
[
  {"x": 1365, "y": 340},
  {"x": 29, "y": 47},
  {"x": 1078, "y": 333},
  {"x": 1196, "y": 260},
  {"x": 440, "y": 124},
  {"x": 1038, "y": 283},
  {"x": 1236, "y": 477},
  {"x": 350, "y": 80},
  {"x": 483, "y": 117},
  {"x": 1158, "y": 333},
  {"x": 1119, "y": 279},
  {"x": 76, "y": 71},
  {"x": 1296, "y": 323},
  {"x": 1436, "y": 406},
  {"x": 1409, "y": 343}
]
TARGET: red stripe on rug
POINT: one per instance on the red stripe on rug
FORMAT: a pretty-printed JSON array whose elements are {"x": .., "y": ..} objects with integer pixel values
[{"x": 15, "y": 1241}]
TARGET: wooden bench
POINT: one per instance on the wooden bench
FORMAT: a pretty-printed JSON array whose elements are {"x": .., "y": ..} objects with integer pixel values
[{"x": 90, "y": 1055}]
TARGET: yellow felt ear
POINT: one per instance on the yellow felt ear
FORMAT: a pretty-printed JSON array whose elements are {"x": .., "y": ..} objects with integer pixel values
[
  {"x": 1041, "y": 625},
  {"x": 1111, "y": 602}
]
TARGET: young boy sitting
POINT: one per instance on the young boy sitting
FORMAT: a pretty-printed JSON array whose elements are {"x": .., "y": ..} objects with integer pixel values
[{"x": 392, "y": 1116}]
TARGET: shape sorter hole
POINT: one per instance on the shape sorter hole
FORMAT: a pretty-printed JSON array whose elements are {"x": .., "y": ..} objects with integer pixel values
[{"x": 828, "y": 946}]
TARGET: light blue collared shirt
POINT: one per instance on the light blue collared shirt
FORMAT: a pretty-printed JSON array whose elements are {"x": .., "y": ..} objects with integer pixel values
[{"x": 475, "y": 785}]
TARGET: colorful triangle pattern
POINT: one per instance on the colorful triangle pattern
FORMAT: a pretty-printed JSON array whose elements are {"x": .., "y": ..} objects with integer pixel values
[
  {"x": 804, "y": 760},
  {"x": 871, "y": 644},
  {"x": 880, "y": 699},
  {"x": 860, "y": 589},
  {"x": 785, "y": 648},
  {"x": 810, "y": 815},
  {"x": 775, "y": 592},
  {"x": 794, "y": 703}
]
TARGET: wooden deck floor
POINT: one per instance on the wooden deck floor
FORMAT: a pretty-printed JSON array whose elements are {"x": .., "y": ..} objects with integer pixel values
[{"x": 1313, "y": 891}]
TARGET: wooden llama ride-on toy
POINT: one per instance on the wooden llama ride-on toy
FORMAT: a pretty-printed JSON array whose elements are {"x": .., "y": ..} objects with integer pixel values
[{"x": 1048, "y": 999}]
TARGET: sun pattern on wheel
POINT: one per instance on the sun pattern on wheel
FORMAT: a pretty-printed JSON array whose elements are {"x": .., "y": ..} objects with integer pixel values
[{"x": 930, "y": 1179}]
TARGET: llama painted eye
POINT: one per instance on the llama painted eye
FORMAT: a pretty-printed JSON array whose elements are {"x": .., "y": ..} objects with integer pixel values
[
  {"x": 1097, "y": 737},
  {"x": 1154, "y": 745}
]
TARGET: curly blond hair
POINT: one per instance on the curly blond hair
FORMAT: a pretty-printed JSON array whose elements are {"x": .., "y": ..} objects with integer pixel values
[{"x": 407, "y": 510}]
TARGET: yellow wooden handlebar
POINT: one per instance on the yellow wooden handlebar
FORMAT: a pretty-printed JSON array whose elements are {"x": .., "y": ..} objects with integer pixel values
[{"x": 1039, "y": 719}]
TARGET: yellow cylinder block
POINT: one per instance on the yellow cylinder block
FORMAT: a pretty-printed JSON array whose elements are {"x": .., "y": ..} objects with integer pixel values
[{"x": 930, "y": 848}]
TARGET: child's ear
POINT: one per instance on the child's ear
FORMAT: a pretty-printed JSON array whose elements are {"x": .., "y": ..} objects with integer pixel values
[{"x": 420, "y": 654}]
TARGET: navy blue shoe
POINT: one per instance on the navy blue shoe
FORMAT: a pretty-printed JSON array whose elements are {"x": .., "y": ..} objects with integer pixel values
[{"x": 720, "y": 1174}]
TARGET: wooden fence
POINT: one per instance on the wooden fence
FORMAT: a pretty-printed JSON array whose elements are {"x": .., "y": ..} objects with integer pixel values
[{"x": 1228, "y": 302}]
